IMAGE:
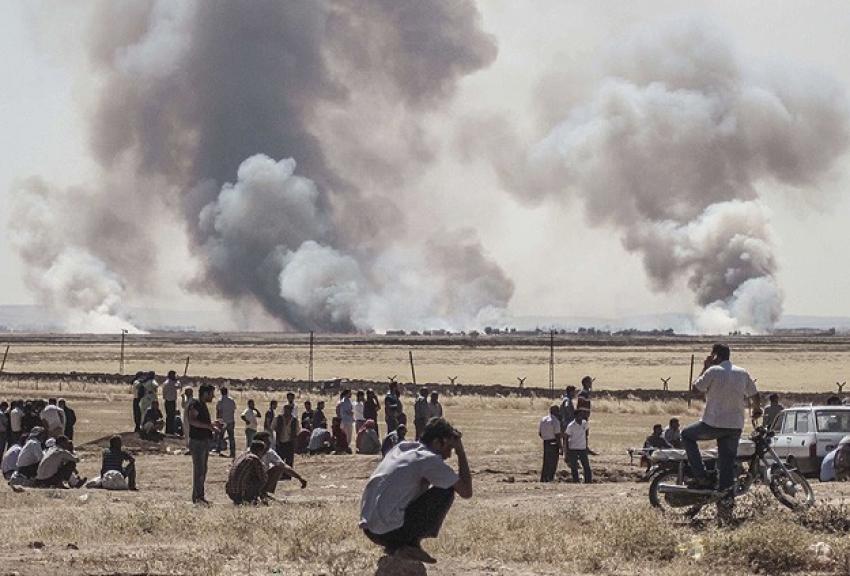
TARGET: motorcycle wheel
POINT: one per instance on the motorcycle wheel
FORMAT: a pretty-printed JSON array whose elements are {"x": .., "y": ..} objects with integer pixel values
[
  {"x": 791, "y": 489},
  {"x": 661, "y": 502}
]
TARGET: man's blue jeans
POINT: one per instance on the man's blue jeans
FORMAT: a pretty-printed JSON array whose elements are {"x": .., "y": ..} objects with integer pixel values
[{"x": 727, "y": 450}]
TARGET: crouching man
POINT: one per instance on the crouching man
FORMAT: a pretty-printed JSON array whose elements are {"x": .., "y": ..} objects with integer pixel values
[
  {"x": 276, "y": 468},
  {"x": 410, "y": 493},
  {"x": 58, "y": 466},
  {"x": 113, "y": 461}
]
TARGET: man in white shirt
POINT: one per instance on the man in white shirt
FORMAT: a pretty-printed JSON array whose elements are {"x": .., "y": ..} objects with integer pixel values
[
  {"x": 345, "y": 412},
  {"x": 16, "y": 419},
  {"x": 10, "y": 460},
  {"x": 727, "y": 388},
  {"x": 251, "y": 417},
  {"x": 53, "y": 418},
  {"x": 359, "y": 409},
  {"x": 412, "y": 489},
  {"x": 58, "y": 466},
  {"x": 550, "y": 432},
  {"x": 226, "y": 412},
  {"x": 275, "y": 466},
  {"x": 30, "y": 455},
  {"x": 576, "y": 433}
]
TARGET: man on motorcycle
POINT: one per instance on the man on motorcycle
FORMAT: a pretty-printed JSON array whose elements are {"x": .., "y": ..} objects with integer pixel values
[{"x": 727, "y": 388}]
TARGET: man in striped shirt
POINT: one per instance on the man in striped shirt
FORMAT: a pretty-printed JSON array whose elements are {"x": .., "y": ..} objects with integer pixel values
[
  {"x": 114, "y": 458},
  {"x": 247, "y": 479}
]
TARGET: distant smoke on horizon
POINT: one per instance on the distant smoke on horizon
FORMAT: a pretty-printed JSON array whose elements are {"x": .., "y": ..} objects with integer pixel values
[
  {"x": 227, "y": 116},
  {"x": 670, "y": 151}
]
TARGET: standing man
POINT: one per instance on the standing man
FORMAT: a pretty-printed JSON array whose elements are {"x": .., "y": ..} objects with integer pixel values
[
  {"x": 420, "y": 412},
  {"x": 371, "y": 407},
  {"x": 307, "y": 416},
  {"x": 268, "y": 419},
  {"x": 359, "y": 406},
  {"x": 568, "y": 408},
  {"x": 53, "y": 419},
  {"x": 201, "y": 429},
  {"x": 290, "y": 400},
  {"x": 251, "y": 417},
  {"x": 138, "y": 394},
  {"x": 16, "y": 420},
  {"x": 773, "y": 409},
  {"x": 550, "y": 432},
  {"x": 319, "y": 419},
  {"x": 286, "y": 432},
  {"x": 5, "y": 433},
  {"x": 435, "y": 409},
  {"x": 412, "y": 489},
  {"x": 392, "y": 407},
  {"x": 345, "y": 413},
  {"x": 727, "y": 389},
  {"x": 188, "y": 395},
  {"x": 70, "y": 419},
  {"x": 577, "y": 447},
  {"x": 226, "y": 412},
  {"x": 170, "y": 390}
]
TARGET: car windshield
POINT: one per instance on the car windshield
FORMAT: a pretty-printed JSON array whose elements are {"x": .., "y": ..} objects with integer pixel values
[{"x": 833, "y": 421}]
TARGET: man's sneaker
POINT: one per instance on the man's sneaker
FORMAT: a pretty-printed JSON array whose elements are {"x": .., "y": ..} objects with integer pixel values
[{"x": 416, "y": 554}]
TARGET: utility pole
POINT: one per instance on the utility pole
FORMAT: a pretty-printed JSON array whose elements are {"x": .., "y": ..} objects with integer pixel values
[
  {"x": 5, "y": 355},
  {"x": 186, "y": 368},
  {"x": 121, "y": 364},
  {"x": 412, "y": 368},
  {"x": 551, "y": 364},
  {"x": 310, "y": 364},
  {"x": 691, "y": 381}
]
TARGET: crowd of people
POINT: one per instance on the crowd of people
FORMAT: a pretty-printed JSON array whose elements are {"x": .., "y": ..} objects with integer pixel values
[{"x": 565, "y": 431}]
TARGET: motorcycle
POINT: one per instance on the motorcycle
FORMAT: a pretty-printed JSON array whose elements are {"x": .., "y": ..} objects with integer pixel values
[{"x": 668, "y": 489}]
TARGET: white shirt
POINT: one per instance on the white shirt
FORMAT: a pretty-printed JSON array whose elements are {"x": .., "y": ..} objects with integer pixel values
[
  {"x": 271, "y": 459},
  {"x": 405, "y": 473},
  {"x": 549, "y": 427},
  {"x": 251, "y": 416},
  {"x": 170, "y": 389},
  {"x": 10, "y": 459},
  {"x": 827, "y": 468},
  {"x": 53, "y": 460},
  {"x": 53, "y": 416},
  {"x": 358, "y": 411},
  {"x": 345, "y": 411},
  {"x": 726, "y": 388},
  {"x": 577, "y": 433},
  {"x": 30, "y": 454},
  {"x": 15, "y": 419}
]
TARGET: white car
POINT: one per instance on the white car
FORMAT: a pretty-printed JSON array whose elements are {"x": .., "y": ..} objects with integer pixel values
[{"x": 804, "y": 435}]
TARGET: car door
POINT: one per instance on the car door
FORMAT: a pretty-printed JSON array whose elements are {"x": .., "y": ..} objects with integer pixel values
[
  {"x": 779, "y": 440},
  {"x": 800, "y": 445}
]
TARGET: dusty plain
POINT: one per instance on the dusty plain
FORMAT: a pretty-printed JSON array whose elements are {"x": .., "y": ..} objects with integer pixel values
[{"x": 513, "y": 524}]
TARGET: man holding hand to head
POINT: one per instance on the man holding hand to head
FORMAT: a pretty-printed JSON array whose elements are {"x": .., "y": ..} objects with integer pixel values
[{"x": 411, "y": 491}]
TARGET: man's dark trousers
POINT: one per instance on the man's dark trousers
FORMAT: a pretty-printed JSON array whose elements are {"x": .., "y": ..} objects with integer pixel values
[
  {"x": 551, "y": 452},
  {"x": 422, "y": 519}
]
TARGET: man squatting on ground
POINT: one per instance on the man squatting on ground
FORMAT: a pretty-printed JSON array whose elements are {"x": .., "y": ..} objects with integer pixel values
[
  {"x": 410, "y": 492},
  {"x": 727, "y": 388}
]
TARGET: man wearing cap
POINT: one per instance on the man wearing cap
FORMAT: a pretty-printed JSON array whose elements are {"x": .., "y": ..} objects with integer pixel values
[{"x": 412, "y": 489}]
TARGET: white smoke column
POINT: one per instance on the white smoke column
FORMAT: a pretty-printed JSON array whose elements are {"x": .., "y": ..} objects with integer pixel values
[{"x": 672, "y": 150}]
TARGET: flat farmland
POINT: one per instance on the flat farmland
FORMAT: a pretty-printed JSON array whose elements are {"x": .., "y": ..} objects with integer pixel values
[{"x": 797, "y": 365}]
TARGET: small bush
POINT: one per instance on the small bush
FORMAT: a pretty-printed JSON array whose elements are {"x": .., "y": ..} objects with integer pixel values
[
  {"x": 829, "y": 518},
  {"x": 769, "y": 546},
  {"x": 637, "y": 533}
]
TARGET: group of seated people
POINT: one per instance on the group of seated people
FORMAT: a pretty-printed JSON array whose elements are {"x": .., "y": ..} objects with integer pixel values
[
  {"x": 40, "y": 461},
  {"x": 665, "y": 438}
]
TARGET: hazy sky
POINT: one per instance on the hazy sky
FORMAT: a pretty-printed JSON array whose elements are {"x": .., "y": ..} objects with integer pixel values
[{"x": 560, "y": 266}]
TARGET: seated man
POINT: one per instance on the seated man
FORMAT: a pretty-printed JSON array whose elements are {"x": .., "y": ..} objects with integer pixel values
[
  {"x": 153, "y": 423},
  {"x": 410, "y": 492},
  {"x": 367, "y": 438},
  {"x": 393, "y": 438},
  {"x": 113, "y": 460},
  {"x": 247, "y": 479},
  {"x": 320, "y": 441},
  {"x": 58, "y": 466},
  {"x": 673, "y": 433},
  {"x": 10, "y": 458},
  {"x": 276, "y": 467},
  {"x": 30, "y": 455},
  {"x": 656, "y": 439}
]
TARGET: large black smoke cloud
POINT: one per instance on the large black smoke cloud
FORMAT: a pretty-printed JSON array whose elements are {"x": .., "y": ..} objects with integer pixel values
[
  {"x": 217, "y": 111},
  {"x": 671, "y": 151}
]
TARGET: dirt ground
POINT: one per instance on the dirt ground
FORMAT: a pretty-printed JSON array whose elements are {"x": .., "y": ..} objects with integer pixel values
[
  {"x": 805, "y": 364},
  {"x": 513, "y": 524}
]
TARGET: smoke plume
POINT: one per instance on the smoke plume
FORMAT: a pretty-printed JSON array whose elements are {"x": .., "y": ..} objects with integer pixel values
[
  {"x": 672, "y": 150},
  {"x": 227, "y": 116}
]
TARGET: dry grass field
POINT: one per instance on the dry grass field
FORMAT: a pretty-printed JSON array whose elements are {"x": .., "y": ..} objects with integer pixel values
[
  {"x": 798, "y": 365},
  {"x": 513, "y": 525}
]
